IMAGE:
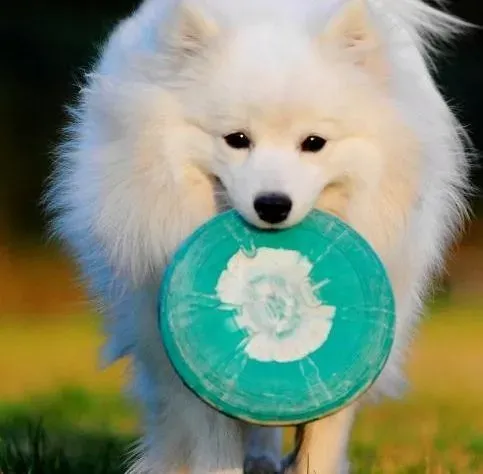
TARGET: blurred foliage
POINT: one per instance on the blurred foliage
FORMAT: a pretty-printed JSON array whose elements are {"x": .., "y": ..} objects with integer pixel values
[{"x": 46, "y": 47}]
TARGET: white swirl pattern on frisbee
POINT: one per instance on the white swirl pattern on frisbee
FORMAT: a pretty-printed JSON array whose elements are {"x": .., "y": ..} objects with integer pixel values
[{"x": 275, "y": 303}]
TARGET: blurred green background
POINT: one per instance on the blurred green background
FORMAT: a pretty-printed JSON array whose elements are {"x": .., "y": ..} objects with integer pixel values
[{"x": 49, "y": 335}]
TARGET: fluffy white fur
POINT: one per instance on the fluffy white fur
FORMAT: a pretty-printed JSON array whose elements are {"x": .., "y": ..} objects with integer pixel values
[{"x": 137, "y": 173}]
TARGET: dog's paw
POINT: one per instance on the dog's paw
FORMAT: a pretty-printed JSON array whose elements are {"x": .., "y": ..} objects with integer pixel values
[{"x": 260, "y": 465}]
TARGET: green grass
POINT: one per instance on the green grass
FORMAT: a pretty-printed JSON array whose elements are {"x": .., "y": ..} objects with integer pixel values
[
  {"x": 409, "y": 438},
  {"x": 88, "y": 428},
  {"x": 27, "y": 448},
  {"x": 74, "y": 407},
  {"x": 71, "y": 431}
]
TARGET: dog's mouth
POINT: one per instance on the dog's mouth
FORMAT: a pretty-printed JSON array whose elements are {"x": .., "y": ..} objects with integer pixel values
[
  {"x": 222, "y": 199},
  {"x": 224, "y": 203}
]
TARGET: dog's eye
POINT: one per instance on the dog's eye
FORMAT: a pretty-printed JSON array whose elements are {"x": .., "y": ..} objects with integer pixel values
[
  {"x": 313, "y": 144},
  {"x": 237, "y": 140}
]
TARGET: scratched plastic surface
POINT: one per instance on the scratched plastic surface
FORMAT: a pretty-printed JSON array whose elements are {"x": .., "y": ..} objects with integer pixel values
[{"x": 277, "y": 327}]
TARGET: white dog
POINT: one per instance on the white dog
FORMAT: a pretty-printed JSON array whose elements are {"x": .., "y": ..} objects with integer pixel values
[{"x": 272, "y": 107}]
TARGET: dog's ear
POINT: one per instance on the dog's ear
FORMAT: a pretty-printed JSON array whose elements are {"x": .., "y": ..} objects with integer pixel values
[
  {"x": 193, "y": 31},
  {"x": 353, "y": 29}
]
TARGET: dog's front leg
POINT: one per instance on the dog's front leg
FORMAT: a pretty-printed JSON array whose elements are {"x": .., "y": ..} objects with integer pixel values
[
  {"x": 323, "y": 448},
  {"x": 218, "y": 446},
  {"x": 263, "y": 450}
]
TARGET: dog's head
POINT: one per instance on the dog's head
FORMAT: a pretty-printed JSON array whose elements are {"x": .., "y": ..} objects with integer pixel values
[
  {"x": 291, "y": 113},
  {"x": 273, "y": 106}
]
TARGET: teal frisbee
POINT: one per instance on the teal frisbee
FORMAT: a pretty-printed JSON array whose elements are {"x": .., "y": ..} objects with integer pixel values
[{"x": 277, "y": 327}]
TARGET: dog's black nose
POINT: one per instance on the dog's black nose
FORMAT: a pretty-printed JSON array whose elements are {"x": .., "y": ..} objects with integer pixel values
[{"x": 273, "y": 207}]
